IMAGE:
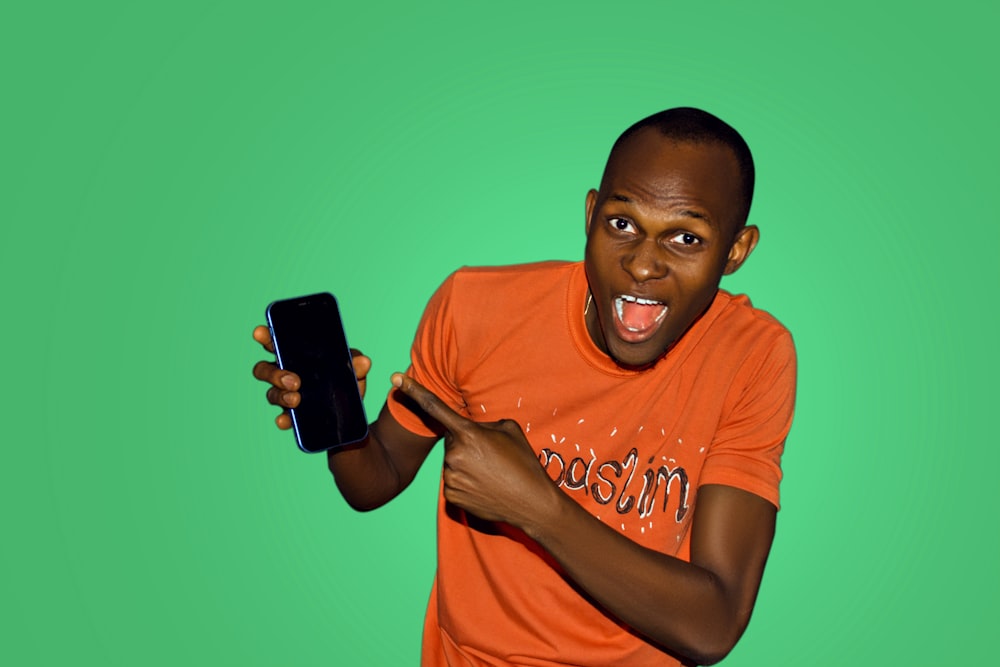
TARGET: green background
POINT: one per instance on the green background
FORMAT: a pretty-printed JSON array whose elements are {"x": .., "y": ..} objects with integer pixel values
[{"x": 167, "y": 170}]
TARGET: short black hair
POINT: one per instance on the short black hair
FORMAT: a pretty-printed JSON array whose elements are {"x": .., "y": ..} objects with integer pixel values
[{"x": 690, "y": 125}]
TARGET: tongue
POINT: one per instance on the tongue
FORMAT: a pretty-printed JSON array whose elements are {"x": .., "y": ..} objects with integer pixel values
[{"x": 639, "y": 317}]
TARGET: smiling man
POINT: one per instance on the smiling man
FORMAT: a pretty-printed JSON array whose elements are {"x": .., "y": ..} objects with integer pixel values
[{"x": 613, "y": 429}]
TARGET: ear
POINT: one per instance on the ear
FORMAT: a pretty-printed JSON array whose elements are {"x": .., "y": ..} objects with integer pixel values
[
  {"x": 591, "y": 204},
  {"x": 743, "y": 245}
]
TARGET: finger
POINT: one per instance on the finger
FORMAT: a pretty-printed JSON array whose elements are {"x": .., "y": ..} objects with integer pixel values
[
  {"x": 362, "y": 364},
  {"x": 262, "y": 335},
  {"x": 285, "y": 399},
  {"x": 281, "y": 381},
  {"x": 284, "y": 421},
  {"x": 269, "y": 372},
  {"x": 431, "y": 404}
]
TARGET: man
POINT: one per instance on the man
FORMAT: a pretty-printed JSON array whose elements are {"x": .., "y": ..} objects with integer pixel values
[{"x": 612, "y": 429}]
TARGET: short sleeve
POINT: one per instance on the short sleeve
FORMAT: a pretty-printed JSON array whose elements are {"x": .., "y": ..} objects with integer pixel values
[
  {"x": 433, "y": 360},
  {"x": 749, "y": 442}
]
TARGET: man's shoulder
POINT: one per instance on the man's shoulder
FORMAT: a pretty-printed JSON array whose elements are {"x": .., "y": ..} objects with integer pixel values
[
  {"x": 533, "y": 270},
  {"x": 497, "y": 300},
  {"x": 738, "y": 307},
  {"x": 740, "y": 324},
  {"x": 498, "y": 282}
]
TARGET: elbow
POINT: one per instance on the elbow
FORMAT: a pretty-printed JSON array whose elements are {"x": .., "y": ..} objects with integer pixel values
[
  {"x": 360, "y": 500},
  {"x": 714, "y": 645},
  {"x": 711, "y": 657},
  {"x": 364, "y": 484},
  {"x": 362, "y": 507},
  {"x": 709, "y": 653},
  {"x": 360, "y": 497},
  {"x": 359, "y": 505}
]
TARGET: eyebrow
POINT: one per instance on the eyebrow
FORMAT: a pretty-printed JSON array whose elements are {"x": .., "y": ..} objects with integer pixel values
[
  {"x": 695, "y": 214},
  {"x": 684, "y": 212}
]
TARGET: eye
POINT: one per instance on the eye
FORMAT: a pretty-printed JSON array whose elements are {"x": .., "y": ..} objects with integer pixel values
[
  {"x": 621, "y": 225},
  {"x": 685, "y": 238}
]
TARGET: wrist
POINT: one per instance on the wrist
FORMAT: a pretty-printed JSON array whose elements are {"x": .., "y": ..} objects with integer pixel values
[{"x": 550, "y": 512}]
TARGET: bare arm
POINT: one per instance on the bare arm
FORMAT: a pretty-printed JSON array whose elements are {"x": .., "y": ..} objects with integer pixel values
[
  {"x": 698, "y": 608},
  {"x": 379, "y": 469},
  {"x": 368, "y": 474}
]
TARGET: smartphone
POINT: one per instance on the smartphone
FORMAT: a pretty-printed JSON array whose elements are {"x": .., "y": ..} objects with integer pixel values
[{"x": 309, "y": 340}]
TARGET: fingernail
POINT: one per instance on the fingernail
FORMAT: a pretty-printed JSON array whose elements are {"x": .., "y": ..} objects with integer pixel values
[
  {"x": 288, "y": 381},
  {"x": 397, "y": 380}
]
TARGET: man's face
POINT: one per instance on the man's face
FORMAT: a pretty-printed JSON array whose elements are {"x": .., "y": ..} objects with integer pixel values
[{"x": 661, "y": 232}]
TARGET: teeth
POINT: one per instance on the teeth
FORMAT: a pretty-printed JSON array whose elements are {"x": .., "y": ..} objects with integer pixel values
[{"x": 640, "y": 301}]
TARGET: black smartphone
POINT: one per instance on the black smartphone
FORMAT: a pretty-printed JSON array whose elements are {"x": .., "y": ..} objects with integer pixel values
[{"x": 309, "y": 340}]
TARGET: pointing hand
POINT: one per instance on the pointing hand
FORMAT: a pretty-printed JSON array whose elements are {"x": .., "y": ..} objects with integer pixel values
[{"x": 490, "y": 468}]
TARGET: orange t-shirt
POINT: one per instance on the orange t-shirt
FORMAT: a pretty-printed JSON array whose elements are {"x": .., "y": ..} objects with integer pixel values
[{"x": 632, "y": 447}]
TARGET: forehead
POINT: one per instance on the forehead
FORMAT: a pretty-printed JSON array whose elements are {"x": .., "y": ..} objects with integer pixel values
[{"x": 655, "y": 168}]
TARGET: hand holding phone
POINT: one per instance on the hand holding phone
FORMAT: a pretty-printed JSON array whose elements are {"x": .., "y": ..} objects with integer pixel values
[{"x": 309, "y": 340}]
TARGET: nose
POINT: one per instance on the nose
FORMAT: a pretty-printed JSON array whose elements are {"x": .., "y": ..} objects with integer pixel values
[{"x": 646, "y": 262}]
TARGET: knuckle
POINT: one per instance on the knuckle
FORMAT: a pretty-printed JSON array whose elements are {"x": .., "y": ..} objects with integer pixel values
[{"x": 449, "y": 495}]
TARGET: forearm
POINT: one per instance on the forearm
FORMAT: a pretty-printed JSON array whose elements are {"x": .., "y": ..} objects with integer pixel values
[
  {"x": 677, "y": 604},
  {"x": 364, "y": 474},
  {"x": 377, "y": 470}
]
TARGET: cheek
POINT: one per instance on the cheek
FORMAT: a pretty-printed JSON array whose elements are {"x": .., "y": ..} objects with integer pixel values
[
  {"x": 601, "y": 259},
  {"x": 700, "y": 293},
  {"x": 702, "y": 273},
  {"x": 597, "y": 268}
]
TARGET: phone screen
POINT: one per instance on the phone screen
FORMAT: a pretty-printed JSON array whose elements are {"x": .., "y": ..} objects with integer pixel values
[{"x": 309, "y": 340}]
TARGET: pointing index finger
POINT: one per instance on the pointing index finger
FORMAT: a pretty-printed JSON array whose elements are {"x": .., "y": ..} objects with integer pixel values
[{"x": 430, "y": 403}]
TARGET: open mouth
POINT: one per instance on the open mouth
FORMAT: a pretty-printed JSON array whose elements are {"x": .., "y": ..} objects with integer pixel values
[{"x": 638, "y": 318}]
